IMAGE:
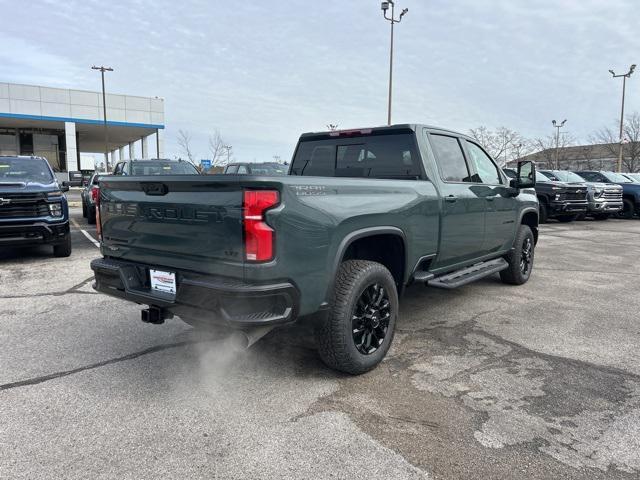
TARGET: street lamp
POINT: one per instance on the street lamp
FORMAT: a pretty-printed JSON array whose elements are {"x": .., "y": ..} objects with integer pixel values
[
  {"x": 104, "y": 111},
  {"x": 558, "y": 126},
  {"x": 228, "y": 148},
  {"x": 385, "y": 6},
  {"x": 624, "y": 85}
]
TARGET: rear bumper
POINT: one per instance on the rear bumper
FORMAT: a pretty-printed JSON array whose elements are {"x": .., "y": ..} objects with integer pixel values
[
  {"x": 214, "y": 299},
  {"x": 37, "y": 233}
]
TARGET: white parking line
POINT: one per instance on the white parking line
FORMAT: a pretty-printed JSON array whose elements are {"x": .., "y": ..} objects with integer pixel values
[
  {"x": 91, "y": 239},
  {"x": 76, "y": 224}
]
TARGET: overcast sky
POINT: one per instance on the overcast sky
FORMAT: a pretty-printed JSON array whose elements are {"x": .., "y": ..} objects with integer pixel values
[{"x": 263, "y": 71}]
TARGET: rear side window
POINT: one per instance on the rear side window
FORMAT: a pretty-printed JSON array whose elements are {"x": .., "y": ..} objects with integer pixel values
[
  {"x": 450, "y": 160},
  {"x": 392, "y": 156}
]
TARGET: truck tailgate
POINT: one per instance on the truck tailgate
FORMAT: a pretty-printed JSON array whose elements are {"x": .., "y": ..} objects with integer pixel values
[{"x": 175, "y": 221}]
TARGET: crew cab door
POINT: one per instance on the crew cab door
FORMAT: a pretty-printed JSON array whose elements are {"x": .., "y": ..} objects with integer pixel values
[
  {"x": 462, "y": 226},
  {"x": 501, "y": 208}
]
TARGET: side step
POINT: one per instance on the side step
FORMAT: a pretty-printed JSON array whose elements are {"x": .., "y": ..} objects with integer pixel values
[{"x": 469, "y": 274}]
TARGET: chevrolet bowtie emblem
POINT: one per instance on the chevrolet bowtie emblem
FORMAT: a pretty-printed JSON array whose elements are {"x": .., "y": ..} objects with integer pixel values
[{"x": 5, "y": 201}]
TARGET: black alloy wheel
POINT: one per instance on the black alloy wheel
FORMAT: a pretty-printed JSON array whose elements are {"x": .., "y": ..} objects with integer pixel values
[
  {"x": 370, "y": 319},
  {"x": 526, "y": 256}
]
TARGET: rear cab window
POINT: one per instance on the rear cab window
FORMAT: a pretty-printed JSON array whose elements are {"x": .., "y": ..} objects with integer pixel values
[{"x": 389, "y": 155}]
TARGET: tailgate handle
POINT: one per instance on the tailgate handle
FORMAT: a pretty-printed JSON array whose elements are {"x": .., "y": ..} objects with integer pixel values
[{"x": 154, "y": 188}]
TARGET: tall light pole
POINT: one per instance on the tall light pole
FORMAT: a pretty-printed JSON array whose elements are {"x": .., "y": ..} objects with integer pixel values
[
  {"x": 624, "y": 85},
  {"x": 558, "y": 126},
  {"x": 385, "y": 6},
  {"x": 228, "y": 149},
  {"x": 104, "y": 112}
]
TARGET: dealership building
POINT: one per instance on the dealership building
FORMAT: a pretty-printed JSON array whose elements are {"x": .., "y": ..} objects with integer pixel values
[{"x": 59, "y": 124}]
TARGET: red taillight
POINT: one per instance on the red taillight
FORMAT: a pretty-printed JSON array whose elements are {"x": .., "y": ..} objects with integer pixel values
[
  {"x": 258, "y": 236},
  {"x": 95, "y": 195}
]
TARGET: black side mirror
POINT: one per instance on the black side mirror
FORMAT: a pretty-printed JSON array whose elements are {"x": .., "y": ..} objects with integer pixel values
[
  {"x": 526, "y": 175},
  {"x": 65, "y": 187}
]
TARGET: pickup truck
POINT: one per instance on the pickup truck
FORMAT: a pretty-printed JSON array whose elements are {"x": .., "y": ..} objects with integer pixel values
[
  {"x": 33, "y": 208},
  {"x": 604, "y": 199},
  {"x": 563, "y": 201},
  {"x": 630, "y": 190},
  {"x": 361, "y": 214}
]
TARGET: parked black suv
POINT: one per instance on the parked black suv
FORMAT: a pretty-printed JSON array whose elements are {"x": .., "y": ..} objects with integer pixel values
[
  {"x": 562, "y": 201},
  {"x": 33, "y": 208}
]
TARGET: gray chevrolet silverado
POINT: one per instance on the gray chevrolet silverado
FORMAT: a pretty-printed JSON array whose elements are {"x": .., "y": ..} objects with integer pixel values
[{"x": 362, "y": 214}]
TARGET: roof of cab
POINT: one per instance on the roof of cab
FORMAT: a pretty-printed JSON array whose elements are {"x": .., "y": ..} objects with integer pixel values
[{"x": 402, "y": 127}]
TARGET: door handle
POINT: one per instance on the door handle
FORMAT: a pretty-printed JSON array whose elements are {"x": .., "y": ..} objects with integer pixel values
[
  {"x": 490, "y": 199},
  {"x": 450, "y": 198}
]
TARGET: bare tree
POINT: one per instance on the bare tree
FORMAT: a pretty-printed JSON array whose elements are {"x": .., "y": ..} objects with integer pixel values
[
  {"x": 184, "y": 141},
  {"x": 610, "y": 142},
  {"x": 503, "y": 144},
  {"x": 218, "y": 150},
  {"x": 546, "y": 147}
]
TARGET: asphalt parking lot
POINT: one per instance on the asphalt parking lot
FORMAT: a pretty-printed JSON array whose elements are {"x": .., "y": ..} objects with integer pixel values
[{"x": 488, "y": 381}]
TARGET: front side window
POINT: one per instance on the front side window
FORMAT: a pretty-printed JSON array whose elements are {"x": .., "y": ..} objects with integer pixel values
[
  {"x": 487, "y": 170},
  {"x": 242, "y": 170},
  {"x": 231, "y": 169},
  {"x": 450, "y": 160}
]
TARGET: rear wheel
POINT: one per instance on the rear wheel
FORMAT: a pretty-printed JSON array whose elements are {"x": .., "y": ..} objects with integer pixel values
[
  {"x": 64, "y": 249},
  {"x": 627, "y": 210},
  {"x": 566, "y": 218},
  {"x": 84, "y": 209},
  {"x": 357, "y": 333},
  {"x": 520, "y": 259},
  {"x": 91, "y": 215}
]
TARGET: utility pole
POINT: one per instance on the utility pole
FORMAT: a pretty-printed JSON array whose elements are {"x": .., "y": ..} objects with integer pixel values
[
  {"x": 558, "y": 126},
  {"x": 385, "y": 6},
  {"x": 104, "y": 112},
  {"x": 228, "y": 149},
  {"x": 624, "y": 85}
]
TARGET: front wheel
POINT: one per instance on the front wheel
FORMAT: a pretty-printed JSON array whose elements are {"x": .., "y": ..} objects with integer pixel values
[
  {"x": 357, "y": 333},
  {"x": 64, "y": 249},
  {"x": 520, "y": 259},
  {"x": 627, "y": 210},
  {"x": 543, "y": 214},
  {"x": 91, "y": 215}
]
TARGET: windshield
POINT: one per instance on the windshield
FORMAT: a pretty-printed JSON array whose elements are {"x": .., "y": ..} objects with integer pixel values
[
  {"x": 163, "y": 168},
  {"x": 634, "y": 176},
  {"x": 566, "y": 176},
  {"x": 541, "y": 178},
  {"x": 25, "y": 170},
  {"x": 549, "y": 175},
  {"x": 267, "y": 169},
  {"x": 616, "y": 177}
]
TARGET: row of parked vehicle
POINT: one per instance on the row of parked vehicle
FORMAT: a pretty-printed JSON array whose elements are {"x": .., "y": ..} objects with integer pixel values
[{"x": 568, "y": 196}]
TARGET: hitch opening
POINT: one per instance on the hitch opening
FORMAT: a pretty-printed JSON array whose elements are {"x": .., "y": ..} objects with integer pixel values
[{"x": 154, "y": 315}]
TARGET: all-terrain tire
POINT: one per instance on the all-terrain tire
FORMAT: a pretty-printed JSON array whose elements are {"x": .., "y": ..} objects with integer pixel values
[
  {"x": 334, "y": 334},
  {"x": 64, "y": 249},
  {"x": 84, "y": 209},
  {"x": 515, "y": 274}
]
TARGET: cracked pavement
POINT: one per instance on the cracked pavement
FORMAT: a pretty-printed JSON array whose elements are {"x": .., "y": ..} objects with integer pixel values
[{"x": 488, "y": 381}]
